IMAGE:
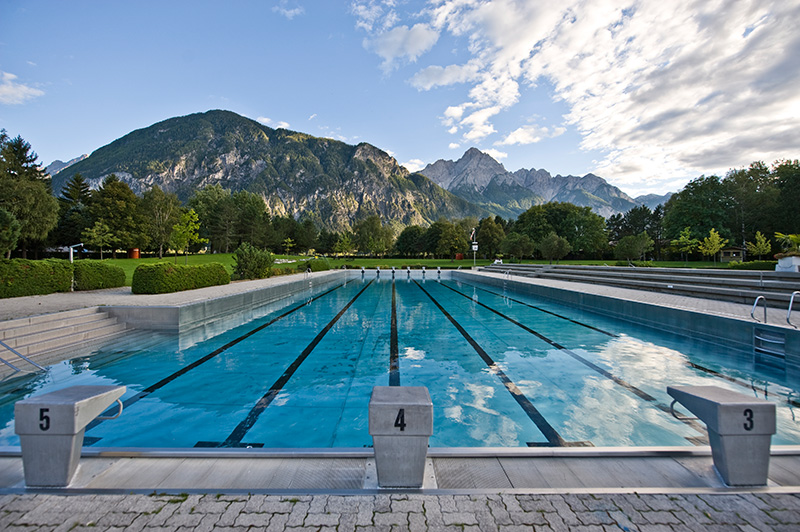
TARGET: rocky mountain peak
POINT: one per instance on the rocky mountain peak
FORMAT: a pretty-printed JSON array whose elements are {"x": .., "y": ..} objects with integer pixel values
[{"x": 386, "y": 164}]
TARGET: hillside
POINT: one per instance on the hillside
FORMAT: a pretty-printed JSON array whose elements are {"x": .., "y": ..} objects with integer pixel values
[
  {"x": 297, "y": 174},
  {"x": 478, "y": 178}
]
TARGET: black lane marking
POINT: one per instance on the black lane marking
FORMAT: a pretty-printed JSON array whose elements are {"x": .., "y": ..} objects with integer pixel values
[
  {"x": 166, "y": 380},
  {"x": 540, "y": 309},
  {"x": 235, "y": 438},
  {"x": 631, "y": 388},
  {"x": 553, "y": 438},
  {"x": 693, "y": 365},
  {"x": 394, "y": 350}
]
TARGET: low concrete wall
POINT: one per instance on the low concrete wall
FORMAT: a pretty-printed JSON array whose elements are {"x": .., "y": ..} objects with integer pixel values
[
  {"x": 719, "y": 330},
  {"x": 215, "y": 315}
]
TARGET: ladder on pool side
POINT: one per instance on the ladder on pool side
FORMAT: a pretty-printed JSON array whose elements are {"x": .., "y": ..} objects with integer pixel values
[{"x": 788, "y": 311}]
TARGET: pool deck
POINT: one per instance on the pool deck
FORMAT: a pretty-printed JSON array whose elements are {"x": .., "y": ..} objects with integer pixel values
[{"x": 539, "y": 489}]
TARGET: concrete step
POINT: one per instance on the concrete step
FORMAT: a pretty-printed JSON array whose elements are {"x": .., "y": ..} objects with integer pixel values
[
  {"x": 45, "y": 318},
  {"x": 41, "y": 332},
  {"x": 100, "y": 330}
]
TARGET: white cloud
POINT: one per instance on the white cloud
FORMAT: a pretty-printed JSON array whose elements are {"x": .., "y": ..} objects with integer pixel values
[
  {"x": 414, "y": 165},
  {"x": 402, "y": 42},
  {"x": 285, "y": 10},
  {"x": 434, "y": 76},
  {"x": 454, "y": 145},
  {"x": 374, "y": 15},
  {"x": 530, "y": 134},
  {"x": 497, "y": 155},
  {"x": 312, "y": 117},
  {"x": 13, "y": 93},
  {"x": 269, "y": 122},
  {"x": 666, "y": 89}
]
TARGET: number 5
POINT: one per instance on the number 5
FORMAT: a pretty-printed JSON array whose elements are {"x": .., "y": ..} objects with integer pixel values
[{"x": 44, "y": 419}]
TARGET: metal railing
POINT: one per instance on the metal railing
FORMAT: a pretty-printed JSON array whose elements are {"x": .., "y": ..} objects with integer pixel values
[
  {"x": 20, "y": 355},
  {"x": 755, "y": 305},
  {"x": 789, "y": 312}
]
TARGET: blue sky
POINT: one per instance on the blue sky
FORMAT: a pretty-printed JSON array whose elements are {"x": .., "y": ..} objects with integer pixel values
[{"x": 645, "y": 93}]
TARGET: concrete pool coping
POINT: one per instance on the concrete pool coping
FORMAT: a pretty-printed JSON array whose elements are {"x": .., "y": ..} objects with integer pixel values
[{"x": 465, "y": 466}]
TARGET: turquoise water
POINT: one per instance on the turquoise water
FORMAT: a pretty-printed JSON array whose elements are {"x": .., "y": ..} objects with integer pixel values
[{"x": 501, "y": 369}]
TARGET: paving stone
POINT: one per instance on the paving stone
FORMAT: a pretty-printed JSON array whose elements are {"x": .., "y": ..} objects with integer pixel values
[
  {"x": 416, "y": 522},
  {"x": 347, "y": 523},
  {"x": 407, "y": 506},
  {"x": 595, "y": 518},
  {"x": 298, "y": 515},
  {"x": 277, "y": 522},
  {"x": 390, "y": 518},
  {"x": 528, "y": 518},
  {"x": 516, "y": 528},
  {"x": 252, "y": 519},
  {"x": 318, "y": 504},
  {"x": 317, "y": 519},
  {"x": 229, "y": 517},
  {"x": 565, "y": 512},
  {"x": 459, "y": 518}
]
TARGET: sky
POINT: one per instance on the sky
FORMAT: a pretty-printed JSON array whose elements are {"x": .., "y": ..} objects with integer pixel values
[{"x": 647, "y": 94}]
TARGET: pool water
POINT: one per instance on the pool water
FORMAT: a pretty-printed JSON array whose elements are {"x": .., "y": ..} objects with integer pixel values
[{"x": 502, "y": 370}]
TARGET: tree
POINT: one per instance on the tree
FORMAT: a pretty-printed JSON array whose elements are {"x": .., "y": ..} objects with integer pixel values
[
  {"x": 288, "y": 244},
  {"x": 344, "y": 245},
  {"x": 489, "y": 236},
  {"x": 452, "y": 240},
  {"x": 307, "y": 235},
  {"x": 161, "y": 212},
  {"x": 712, "y": 244},
  {"x": 633, "y": 247},
  {"x": 9, "y": 233},
  {"x": 553, "y": 247},
  {"x": 685, "y": 244},
  {"x": 98, "y": 236},
  {"x": 372, "y": 236},
  {"x": 73, "y": 211},
  {"x": 584, "y": 230},
  {"x": 703, "y": 204},
  {"x": 25, "y": 191},
  {"x": 185, "y": 233},
  {"x": 115, "y": 205},
  {"x": 787, "y": 175},
  {"x": 408, "y": 244},
  {"x": 218, "y": 216},
  {"x": 517, "y": 245},
  {"x": 760, "y": 247},
  {"x": 252, "y": 220}
]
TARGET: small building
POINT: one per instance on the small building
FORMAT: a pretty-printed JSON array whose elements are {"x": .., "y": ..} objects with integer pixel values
[{"x": 730, "y": 254}]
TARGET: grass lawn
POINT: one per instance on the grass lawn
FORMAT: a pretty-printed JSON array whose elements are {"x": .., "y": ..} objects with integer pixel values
[{"x": 226, "y": 259}]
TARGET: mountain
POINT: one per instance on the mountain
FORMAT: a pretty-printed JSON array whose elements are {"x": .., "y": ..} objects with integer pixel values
[
  {"x": 297, "y": 175},
  {"x": 652, "y": 200},
  {"x": 56, "y": 166},
  {"x": 478, "y": 178}
]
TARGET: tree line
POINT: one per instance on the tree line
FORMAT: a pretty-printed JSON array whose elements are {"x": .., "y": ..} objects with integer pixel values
[{"x": 745, "y": 207}]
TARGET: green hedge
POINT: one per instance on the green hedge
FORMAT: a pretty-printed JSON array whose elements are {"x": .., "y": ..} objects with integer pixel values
[
  {"x": 166, "y": 277},
  {"x": 21, "y": 277},
  {"x": 753, "y": 265},
  {"x": 94, "y": 275}
]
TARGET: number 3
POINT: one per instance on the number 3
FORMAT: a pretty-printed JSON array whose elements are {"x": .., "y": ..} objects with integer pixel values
[
  {"x": 400, "y": 420},
  {"x": 748, "y": 416},
  {"x": 44, "y": 420}
]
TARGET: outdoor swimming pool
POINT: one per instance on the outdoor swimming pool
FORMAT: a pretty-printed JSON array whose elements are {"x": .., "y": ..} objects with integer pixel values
[{"x": 502, "y": 369}]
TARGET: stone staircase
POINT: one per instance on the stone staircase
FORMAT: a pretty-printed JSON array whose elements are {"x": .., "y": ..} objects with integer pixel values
[
  {"x": 738, "y": 286},
  {"x": 45, "y": 337}
]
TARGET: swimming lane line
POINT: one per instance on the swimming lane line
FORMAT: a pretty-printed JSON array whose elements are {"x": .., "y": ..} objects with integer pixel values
[
  {"x": 552, "y": 436},
  {"x": 168, "y": 379},
  {"x": 235, "y": 438},
  {"x": 394, "y": 350}
]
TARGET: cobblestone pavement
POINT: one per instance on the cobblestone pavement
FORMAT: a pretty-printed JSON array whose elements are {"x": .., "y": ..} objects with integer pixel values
[{"x": 396, "y": 512}]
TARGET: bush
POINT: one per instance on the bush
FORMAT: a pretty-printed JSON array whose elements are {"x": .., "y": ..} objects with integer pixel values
[
  {"x": 94, "y": 275},
  {"x": 316, "y": 265},
  {"x": 753, "y": 265},
  {"x": 166, "y": 277},
  {"x": 251, "y": 262},
  {"x": 21, "y": 277}
]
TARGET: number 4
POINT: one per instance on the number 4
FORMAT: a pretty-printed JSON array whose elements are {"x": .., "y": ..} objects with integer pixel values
[{"x": 400, "y": 420}]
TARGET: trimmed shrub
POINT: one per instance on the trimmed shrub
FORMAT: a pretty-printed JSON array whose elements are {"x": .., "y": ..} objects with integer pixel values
[
  {"x": 316, "y": 265},
  {"x": 22, "y": 277},
  {"x": 251, "y": 262},
  {"x": 94, "y": 275},
  {"x": 166, "y": 277},
  {"x": 753, "y": 265}
]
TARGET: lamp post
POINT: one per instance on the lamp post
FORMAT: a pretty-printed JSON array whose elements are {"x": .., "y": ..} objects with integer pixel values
[{"x": 71, "y": 248}]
